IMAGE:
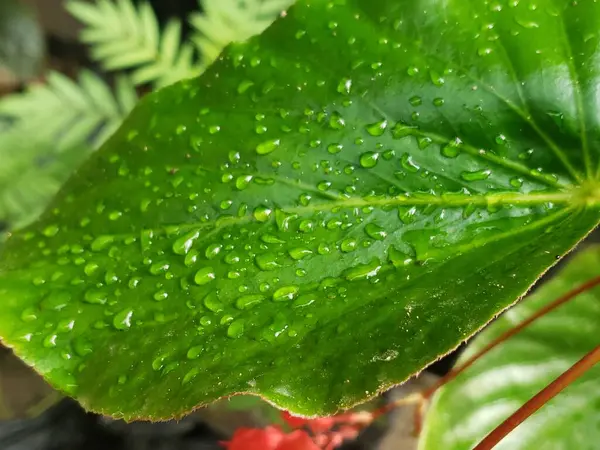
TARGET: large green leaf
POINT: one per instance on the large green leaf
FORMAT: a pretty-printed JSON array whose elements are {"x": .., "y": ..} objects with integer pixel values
[
  {"x": 467, "y": 409},
  {"x": 329, "y": 208}
]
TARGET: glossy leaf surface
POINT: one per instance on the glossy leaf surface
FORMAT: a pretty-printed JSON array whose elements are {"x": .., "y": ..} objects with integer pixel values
[
  {"x": 471, "y": 406},
  {"x": 329, "y": 208}
]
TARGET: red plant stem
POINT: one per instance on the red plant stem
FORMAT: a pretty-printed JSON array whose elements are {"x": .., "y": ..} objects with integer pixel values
[
  {"x": 540, "y": 399},
  {"x": 413, "y": 399},
  {"x": 418, "y": 417},
  {"x": 542, "y": 312}
]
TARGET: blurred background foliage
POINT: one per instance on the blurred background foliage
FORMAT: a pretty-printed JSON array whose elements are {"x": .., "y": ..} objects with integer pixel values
[{"x": 59, "y": 105}]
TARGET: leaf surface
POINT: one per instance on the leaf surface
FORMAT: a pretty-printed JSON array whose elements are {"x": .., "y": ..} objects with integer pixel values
[
  {"x": 467, "y": 409},
  {"x": 328, "y": 209}
]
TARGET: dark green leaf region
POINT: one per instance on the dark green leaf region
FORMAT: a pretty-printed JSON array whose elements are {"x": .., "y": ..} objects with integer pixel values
[{"x": 328, "y": 209}]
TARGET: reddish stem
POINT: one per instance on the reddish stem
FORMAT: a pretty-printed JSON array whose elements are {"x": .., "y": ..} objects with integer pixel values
[
  {"x": 413, "y": 399},
  {"x": 540, "y": 399},
  {"x": 542, "y": 312}
]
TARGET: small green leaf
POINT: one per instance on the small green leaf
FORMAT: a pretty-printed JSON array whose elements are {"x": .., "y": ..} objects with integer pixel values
[
  {"x": 221, "y": 220},
  {"x": 467, "y": 409}
]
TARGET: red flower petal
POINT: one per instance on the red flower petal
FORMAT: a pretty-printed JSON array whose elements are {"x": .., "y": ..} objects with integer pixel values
[
  {"x": 324, "y": 424},
  {"x": 297, "y": 440},
  {"x": 255, "y": 439},
  {"x": 336, "y": 438},
  {"x": 318, "y": 425}
]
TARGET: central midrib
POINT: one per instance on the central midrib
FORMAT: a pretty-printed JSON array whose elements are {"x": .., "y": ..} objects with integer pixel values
[
  {"x": 453, "y": 200},
  {"x": 571, "y": 198},
  {"x": 574, "y": 198}
]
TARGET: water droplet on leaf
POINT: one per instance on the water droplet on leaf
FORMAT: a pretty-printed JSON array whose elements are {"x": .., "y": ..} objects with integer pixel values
[
  {"x": 369, "y": 159},
  {"x": 476, "y": 175},
  {"x": 415, "y": 100},
  {"x": 516, "y": 182},
  {"x": 212, "y": 303},
  {"x": 377, "y": 128},
  {"x": 375, "y": 231},
  {"x": 267, "y": 262},
  {"x": 262, "y": 213},
  {"x": 242, "y": 182},
  {"x": 195, "y": 352},
  {"x": 204, "y": 276},
  {"x": 299, "y": 253},
  {"x": 161, "y": 295},
  {"x": 285, "y": 293},
  {"x": 436, "y": 78},
  {"x": 122, "y": 320},
  {"x": 304, "y": 300},
  {"x": 363, "y": 271},
  {"x": 56, "y": 300},
  {"x": 95, "y": 297},
  {"x": 50, "y": 230},
  {"x": 344, "y": 86},
  {"x": 408, "y": 164},
  {"x": 268, "y": 147},
  {"x": 249, "y": 301},
  {"x": 183, "y": 245},
  {"x": 236, "y": 329},
  {"x": 348, "y": 245}
]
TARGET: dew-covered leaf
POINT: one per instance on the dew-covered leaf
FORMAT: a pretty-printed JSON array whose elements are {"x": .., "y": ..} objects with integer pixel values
[
  {"x": 467, "y": 409},
  {"x": 329, "y": 208}
]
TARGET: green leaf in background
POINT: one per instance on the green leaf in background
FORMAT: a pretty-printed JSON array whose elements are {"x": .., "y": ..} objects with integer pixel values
[
  {"x": 328, "y": 209},
  {"x": 31, "y": 175},
  {"x": 224, "y": 21},
  {"x": 54, "y": 127},
  {"x": 125, "y": 36},
  {"x": 64, "y": 112},
  {"x": 467, "y": 409},
  {"x": 22, "y": 45}
]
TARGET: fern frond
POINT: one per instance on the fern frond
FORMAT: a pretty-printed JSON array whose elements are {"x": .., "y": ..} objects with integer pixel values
[
  {"x": 67, "y": 112},
  {"x": 31, "y": 173},
  {"x": 226, "y": 21},
  {"x": 125, "y": 37},
  {"x": 48, "y": 130}
]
